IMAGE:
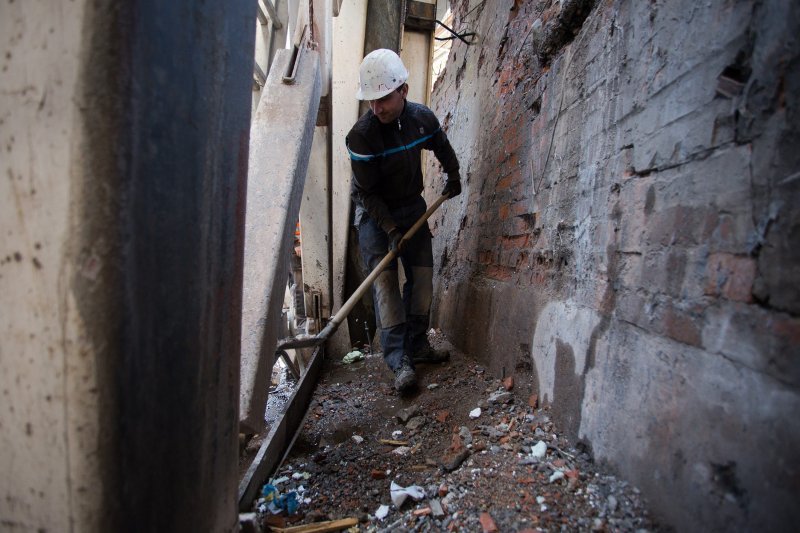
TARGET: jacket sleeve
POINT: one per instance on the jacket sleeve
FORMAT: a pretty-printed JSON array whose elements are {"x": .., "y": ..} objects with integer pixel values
[
  {"x": 443, "y": 151},
  {"x": 366, "y": 178}
]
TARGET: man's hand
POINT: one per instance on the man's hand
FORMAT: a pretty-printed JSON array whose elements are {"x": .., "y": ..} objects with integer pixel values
[
  {"x": 396, "y": 241},
  {"x": 452, "y": 188}
]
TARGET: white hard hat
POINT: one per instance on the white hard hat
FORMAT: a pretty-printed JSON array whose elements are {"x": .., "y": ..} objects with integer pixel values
[{"x": 381, "y": 72}]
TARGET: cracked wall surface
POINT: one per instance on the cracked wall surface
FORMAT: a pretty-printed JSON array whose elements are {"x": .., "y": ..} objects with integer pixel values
[{"x": 628, "y": 229}]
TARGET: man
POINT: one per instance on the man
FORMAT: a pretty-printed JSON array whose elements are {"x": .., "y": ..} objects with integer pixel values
[{"x": 385, "y": 147}]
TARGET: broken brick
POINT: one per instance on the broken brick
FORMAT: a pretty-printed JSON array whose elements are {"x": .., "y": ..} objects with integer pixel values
[
  {"x": 452, "y": 462},
  {"x": 508, "y": 383},
  {"x": 487, "y": 523},
  {"x": 441, "y": 416},
  {"x": 533, "y": 401},
  {"x": 456, "y": 444}
]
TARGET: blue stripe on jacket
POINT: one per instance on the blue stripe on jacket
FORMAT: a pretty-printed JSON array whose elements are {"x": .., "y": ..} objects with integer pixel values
[{"x": 359, "y": 157}]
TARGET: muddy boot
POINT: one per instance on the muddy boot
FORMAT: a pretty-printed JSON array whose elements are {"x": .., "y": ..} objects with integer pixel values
[
  {"x": 429, "y": 355},
  {"x": 404, "y": 378}
]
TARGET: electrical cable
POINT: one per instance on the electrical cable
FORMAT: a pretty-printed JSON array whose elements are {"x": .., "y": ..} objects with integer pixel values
[{"x": 456, "y": 35}]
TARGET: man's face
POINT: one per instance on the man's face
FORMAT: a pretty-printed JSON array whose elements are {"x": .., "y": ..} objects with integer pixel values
[{"x": 388, "y": 108}]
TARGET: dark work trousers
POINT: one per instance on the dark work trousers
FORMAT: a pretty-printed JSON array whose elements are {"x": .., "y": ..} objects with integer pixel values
[{"x": 403, "y": 318}]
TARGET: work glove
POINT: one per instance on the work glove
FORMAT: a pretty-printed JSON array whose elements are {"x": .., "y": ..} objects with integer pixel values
[
  {"x": 452, "y": 188},
  {"x": 396, "y": 241}
]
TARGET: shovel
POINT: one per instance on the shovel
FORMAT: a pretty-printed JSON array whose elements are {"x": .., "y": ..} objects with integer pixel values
[{"x": 307, "y": 341}]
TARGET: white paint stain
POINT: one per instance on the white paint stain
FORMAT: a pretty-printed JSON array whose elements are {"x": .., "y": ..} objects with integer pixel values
[{"x": 566, "y": 322}]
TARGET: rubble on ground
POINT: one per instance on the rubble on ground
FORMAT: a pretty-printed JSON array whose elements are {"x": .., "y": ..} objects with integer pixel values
[{"x": 508, "y": 469}]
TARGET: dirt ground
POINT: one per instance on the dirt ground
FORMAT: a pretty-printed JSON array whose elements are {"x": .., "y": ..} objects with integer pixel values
[{"x": 475, "y": 473}]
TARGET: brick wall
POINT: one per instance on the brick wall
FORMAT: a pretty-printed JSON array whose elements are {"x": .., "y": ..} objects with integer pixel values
[{"x": 629, "y": 230}]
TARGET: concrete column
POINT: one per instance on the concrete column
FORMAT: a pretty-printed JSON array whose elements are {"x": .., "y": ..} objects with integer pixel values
[
  {"x": 124, "y": 132},
  {"x": 315, "y": 210},
  {"x": 45, "y": 385},
  {"x": 348, "y": 35},
  {"x": 416, "y": 53},
  {"x": 322, "y": 12},
  {"x": 279, "y": 152},
  {"x": 416, "y": 56},
  {"x": 314, "y": 227}
]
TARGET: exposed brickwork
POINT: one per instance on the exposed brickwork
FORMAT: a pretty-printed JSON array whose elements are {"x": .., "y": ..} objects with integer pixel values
[
  {"x": 731, "y": 277},
  {"x": 635, "y": 164}
]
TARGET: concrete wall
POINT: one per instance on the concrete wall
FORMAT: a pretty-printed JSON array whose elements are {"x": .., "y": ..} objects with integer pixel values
[
  {"x": 629, "y": 231},
  {"x": 124, "y": 135}
]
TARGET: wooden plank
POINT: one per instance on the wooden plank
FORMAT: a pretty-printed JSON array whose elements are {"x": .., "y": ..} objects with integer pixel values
[
  {"x": 280, "y": 436},
  {"x": 319, "y": 527},
  {"x": 393, "y": 442}
]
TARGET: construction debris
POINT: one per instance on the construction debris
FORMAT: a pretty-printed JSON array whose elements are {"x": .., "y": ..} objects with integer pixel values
[
  {"x": 320, "y": 527},
  {"x": 352, "y": 357},
  {"x": 457, "y": 467},
  {"x": 400, "y": 494}
]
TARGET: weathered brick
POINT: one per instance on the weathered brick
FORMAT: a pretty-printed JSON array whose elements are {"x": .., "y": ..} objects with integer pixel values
[
  {"x": 680, "y": 325},
  {"x": 521, "y": 208},
  {"x": 517, "y": 226},
  {"x": 499, "y": 272},
  {"x": 485, "y": 257},
  {"x": 505, "y": 182},
  {"x": 730, "y": 276},
  {"x": 514, "y": 242},
  {"x": 502, "y": 212},
  {"x": 682, "y": 225}
]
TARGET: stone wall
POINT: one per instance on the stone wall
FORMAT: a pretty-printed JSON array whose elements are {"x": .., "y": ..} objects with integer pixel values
[{"x": 629, "y": 231}]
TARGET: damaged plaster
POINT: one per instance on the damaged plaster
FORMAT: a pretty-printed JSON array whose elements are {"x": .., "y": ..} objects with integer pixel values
[{"x": 627, "y": 222}]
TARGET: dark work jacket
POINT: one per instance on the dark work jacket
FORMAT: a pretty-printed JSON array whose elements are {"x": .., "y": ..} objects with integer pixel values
[{"x": 385, "y": 158}]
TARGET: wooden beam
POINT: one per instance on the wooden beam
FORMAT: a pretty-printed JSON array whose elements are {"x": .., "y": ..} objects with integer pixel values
[
  {"x": 280, "y": 436},
  {"x": 319, "y": 527}
]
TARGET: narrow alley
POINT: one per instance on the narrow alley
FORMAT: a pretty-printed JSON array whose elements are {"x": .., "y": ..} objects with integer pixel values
[{"x": 238, "y": 237}]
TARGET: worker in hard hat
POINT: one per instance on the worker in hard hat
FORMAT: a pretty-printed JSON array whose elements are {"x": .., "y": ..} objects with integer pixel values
[{"x": 385, "y": 146}]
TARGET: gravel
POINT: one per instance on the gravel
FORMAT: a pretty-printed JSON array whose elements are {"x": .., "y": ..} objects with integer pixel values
[{"x": 468, "y": 467}]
